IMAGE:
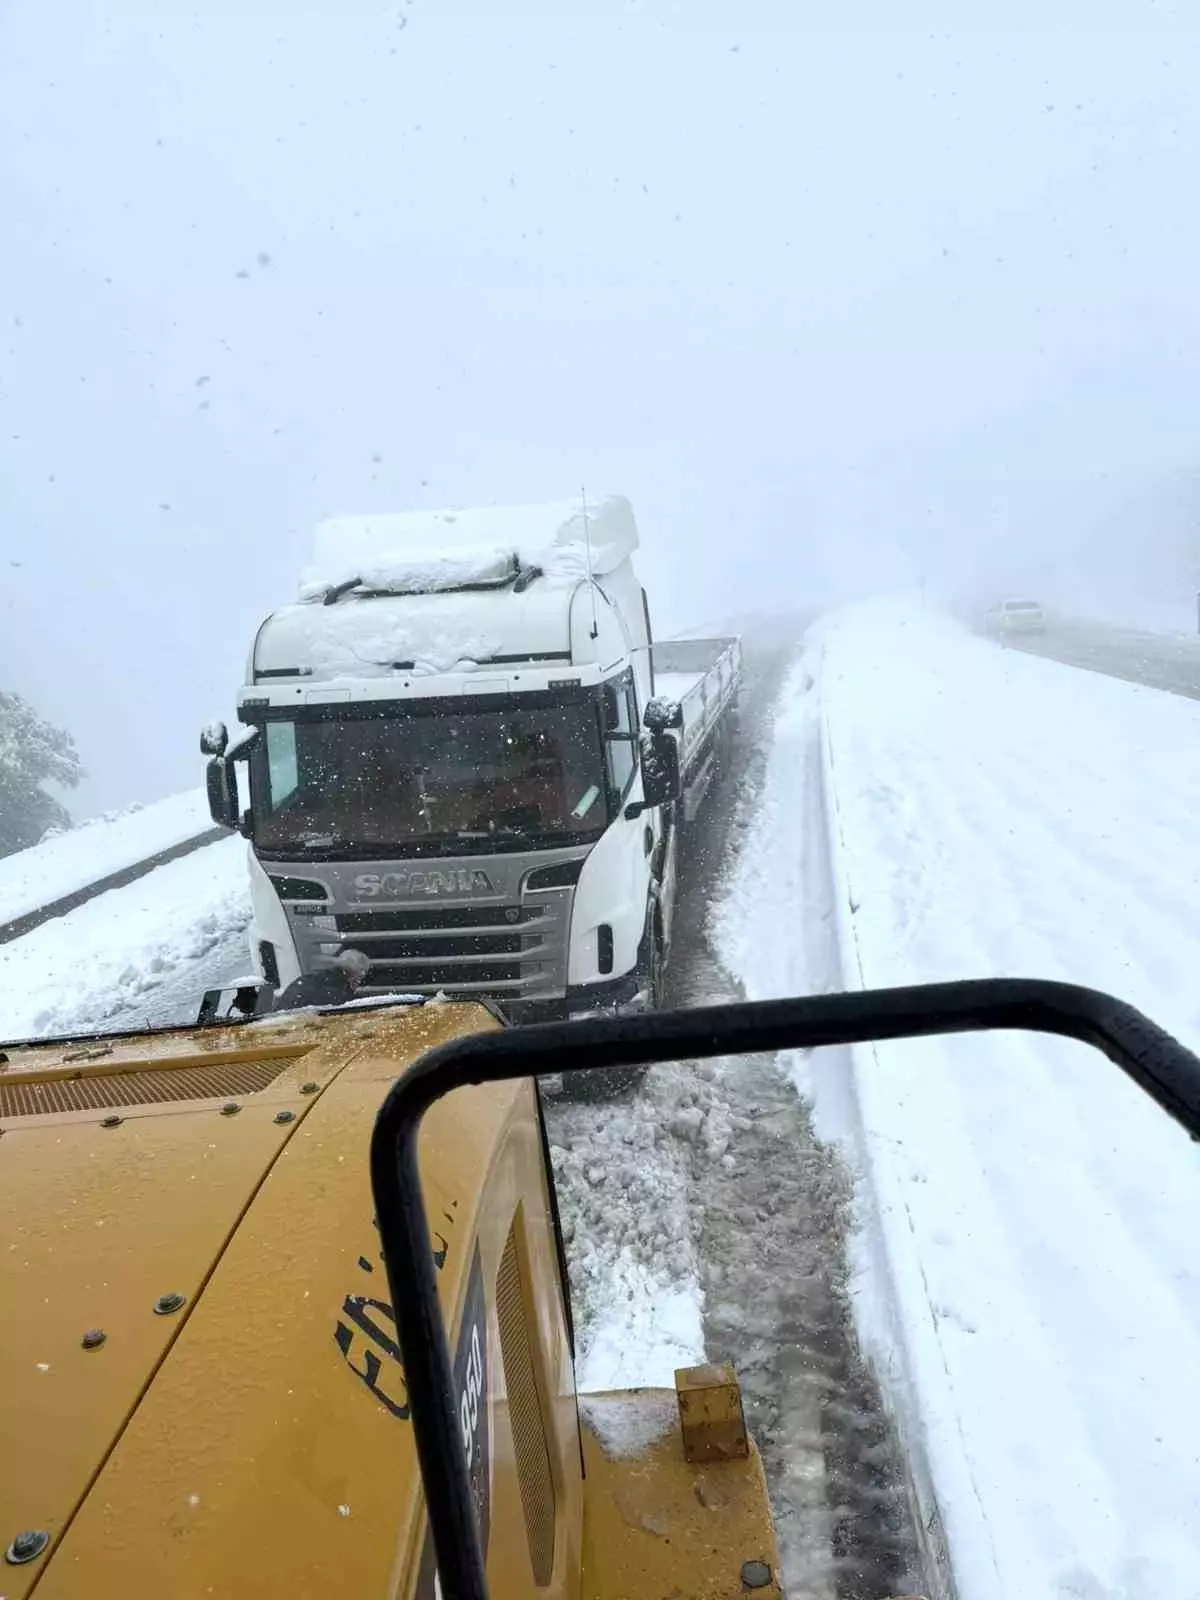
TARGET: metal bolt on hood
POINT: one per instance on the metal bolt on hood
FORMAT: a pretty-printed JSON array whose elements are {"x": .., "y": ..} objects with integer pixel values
[{"x": 26, "y": 1546}]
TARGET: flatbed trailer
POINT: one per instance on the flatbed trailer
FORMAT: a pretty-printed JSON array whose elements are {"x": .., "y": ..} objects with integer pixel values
[{"x": 701, "y": 676}]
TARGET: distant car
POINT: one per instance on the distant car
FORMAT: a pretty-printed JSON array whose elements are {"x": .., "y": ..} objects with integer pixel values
[{"x": 1020, "y": 616}]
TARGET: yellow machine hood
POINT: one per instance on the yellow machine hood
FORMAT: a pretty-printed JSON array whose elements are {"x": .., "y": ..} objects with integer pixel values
[{"x": 198, "y": 1394}]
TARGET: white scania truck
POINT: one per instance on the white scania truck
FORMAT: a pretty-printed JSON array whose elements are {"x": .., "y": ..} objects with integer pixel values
[{"x": 467, "y": 759}]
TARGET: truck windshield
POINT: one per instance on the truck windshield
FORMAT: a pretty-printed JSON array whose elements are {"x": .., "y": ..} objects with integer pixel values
[{"x": 416, "y": 783}]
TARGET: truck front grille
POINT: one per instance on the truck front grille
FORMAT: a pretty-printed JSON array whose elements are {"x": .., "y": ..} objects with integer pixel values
[
  {"x": 477, "y": 945},
  {"x": 439, "y": 975},
  {"x": 513, "y": 950},
  {"x": 436, "y": 918}
]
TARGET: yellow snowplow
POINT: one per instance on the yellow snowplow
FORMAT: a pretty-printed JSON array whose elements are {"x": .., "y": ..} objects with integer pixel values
[
  {"x": 202, "y": 1387},
  {"x": 206, "y": 1389}
]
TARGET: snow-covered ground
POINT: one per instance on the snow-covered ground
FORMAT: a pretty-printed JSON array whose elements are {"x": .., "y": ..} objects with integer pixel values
[
  {"x": 82, "y": 856},
  {"x": 1027, "y": 1217},
  {"x": 933, "y": 807},
  {"x": 144, "y": 952}
]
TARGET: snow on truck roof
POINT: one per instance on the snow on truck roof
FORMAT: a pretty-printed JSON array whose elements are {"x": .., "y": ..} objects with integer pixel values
[{"x": 422, "y": 552}]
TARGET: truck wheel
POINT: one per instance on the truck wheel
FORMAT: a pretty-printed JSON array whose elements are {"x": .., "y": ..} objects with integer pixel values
[
  {"x": 650, "y": 969},
  {"x": 604, "y": 1084}
]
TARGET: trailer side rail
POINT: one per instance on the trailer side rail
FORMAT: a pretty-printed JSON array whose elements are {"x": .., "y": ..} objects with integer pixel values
[{"x": 706, "y": 701}]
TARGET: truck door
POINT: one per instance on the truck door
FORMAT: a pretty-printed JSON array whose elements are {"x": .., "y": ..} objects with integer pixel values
[{"x": 656, "y": 827}]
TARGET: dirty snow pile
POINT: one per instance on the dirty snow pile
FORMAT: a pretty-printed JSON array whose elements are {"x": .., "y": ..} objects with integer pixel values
[
  {"x": 81, "y": 856},
  {"x": 623, "y": 1177},
  {"x": 1029, "y": 1217},
  {"x": 118, "y": 959},
  {"x": 422, "y": 552}
]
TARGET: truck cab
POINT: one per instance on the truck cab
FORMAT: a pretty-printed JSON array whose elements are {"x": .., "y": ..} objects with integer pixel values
[{"x": 456, "y": 763}]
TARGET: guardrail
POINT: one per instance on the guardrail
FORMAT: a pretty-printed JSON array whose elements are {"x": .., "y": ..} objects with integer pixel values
[{"x": 29, "y": 920}]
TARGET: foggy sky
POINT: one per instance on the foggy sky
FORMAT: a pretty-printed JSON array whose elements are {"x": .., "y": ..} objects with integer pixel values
[{"x": 843, "y": 297}]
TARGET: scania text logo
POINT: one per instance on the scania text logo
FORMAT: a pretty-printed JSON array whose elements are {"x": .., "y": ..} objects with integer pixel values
[{"x": 421, "y": 880}]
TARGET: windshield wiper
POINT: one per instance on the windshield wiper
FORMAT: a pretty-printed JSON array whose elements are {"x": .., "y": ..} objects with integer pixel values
[{"x": 378, "y": 847}]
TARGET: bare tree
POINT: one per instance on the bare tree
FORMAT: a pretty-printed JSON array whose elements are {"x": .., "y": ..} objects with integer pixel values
[{"x": 33, "y": 752}]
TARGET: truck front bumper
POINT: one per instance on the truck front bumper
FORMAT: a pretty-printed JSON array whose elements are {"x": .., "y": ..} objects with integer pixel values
[{"x": 616, "y": 995}]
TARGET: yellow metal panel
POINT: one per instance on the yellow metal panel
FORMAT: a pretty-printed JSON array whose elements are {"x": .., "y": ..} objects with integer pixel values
[
  {"x": 165, "y": 1046},
  {"x": 267, "y": 1450},
  {"x": 95, "y": 1225},
  {"x": 257, "y": 1442},
  {"x": 710, "y": 1413},
  {"x": 518, "y": 1177},
  {"x": 656, "y": 1525},
  {"x": 273, "y": 1454},
  {"x": 30, "y": 1068}
]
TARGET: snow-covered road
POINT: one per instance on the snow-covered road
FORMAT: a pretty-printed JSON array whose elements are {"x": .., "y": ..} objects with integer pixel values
[
  {"x": 1162, "y": 660},
  {"x": 1028, "y": 1276},
  {"x": 70, "y": 862},
  {"x": 145, "y": 952}
]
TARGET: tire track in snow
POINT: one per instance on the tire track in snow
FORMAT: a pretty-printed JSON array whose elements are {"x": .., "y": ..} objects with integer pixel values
[
  {"x": 765, "y": 1211},
  {"x": 788, "y": 939}
]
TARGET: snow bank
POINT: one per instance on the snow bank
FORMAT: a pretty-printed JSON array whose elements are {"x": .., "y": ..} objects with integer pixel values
[
  {"x": 81, "y": 856},
  {"x": 992, "y": 813},
  {"x": 94, "y": 966},
  {"x": 415, "y": 552}
]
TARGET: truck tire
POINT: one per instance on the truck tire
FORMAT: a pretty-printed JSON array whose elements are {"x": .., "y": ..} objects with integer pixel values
[
  {"x": 608, "y": 1082},
  {"x": 650, "y": 966}
]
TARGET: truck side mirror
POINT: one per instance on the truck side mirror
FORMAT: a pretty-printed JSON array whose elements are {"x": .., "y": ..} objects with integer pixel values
[
  {"x": 661, "y": 714},
  {"x": 214, "y": 738},
  {"x": 662, "y": 781},
  {"x": 223, "y": 803}
]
